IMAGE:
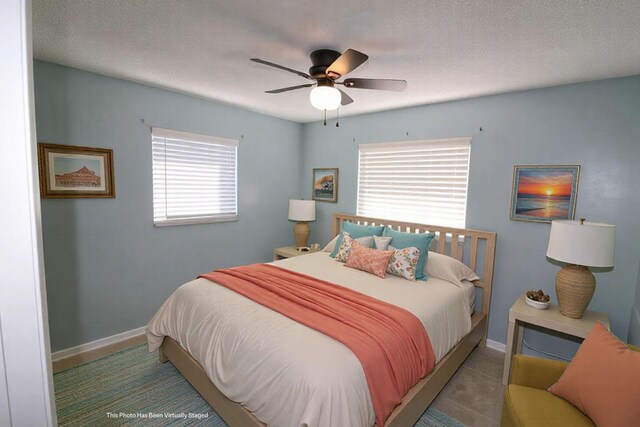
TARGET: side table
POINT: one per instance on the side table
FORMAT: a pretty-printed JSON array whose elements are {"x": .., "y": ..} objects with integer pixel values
[
  {"x": 289, "y": 252},
  {"x": 521, "y": 314}
]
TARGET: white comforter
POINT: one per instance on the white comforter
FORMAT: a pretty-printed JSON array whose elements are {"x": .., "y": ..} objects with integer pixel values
[{"x": 288, "y": 374}]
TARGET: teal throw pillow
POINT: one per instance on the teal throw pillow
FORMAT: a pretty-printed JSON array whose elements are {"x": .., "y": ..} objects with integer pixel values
[
  {"x": 356, "y": 231},
  {"x": 406, "y": 240}
]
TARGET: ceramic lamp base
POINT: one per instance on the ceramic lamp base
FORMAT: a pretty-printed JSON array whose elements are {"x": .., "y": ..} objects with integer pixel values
[
  {"x": 301, "y": 234},
  {"x": 575, "y": 286}
]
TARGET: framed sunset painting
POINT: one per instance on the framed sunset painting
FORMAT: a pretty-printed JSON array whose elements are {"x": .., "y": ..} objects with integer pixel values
[{"x": 544, "y": 193}]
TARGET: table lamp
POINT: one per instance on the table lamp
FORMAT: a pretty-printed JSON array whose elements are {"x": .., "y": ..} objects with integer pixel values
[
  {"x": 302, "y": 211},
  {"x": 579, "y": 244}
]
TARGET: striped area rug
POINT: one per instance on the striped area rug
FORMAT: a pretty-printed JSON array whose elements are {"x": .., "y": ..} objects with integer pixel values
[{"x": 133, "y": 388}]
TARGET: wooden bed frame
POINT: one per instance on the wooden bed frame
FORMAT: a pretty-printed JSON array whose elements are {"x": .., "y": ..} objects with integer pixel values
[{"x": 462, "y": 244}]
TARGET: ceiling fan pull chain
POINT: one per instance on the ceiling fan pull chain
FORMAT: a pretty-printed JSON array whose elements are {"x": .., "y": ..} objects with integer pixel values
[
  {"x": 338, "y": 117},
  {"x": 325, "y": 117}
]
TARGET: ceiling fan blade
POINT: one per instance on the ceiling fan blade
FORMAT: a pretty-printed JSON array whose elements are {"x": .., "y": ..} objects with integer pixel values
[
  {"x": 347, "y": 62},
  {"x": 346, "y": 99},
  {"x": 379, "y": 84},
  {"x": 281, "y": 67},
  {"x": 287, "y": 89}
]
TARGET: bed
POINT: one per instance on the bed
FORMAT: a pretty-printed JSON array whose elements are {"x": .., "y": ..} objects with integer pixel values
[{"x": 255, "y": 356}]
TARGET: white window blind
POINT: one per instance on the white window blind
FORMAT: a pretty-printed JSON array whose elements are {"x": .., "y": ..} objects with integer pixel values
[
  {"x": 194, "y": 178},
  {"x": 417, "y": 181}
]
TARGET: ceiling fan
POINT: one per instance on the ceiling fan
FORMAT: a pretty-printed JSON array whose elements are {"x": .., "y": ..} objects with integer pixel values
[{"x": 329, "y": 66}]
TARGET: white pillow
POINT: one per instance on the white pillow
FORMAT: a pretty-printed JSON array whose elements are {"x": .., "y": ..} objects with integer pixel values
[
  {"x": 382, "y": 242},
  {"x": 331, "y": 245},
  {"x": 450, "y": 269},
  {"x": 364, "y": 241}
]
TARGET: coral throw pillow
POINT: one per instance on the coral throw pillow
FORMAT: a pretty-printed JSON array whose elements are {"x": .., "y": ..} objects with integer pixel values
[
  {"x": 369, "y": 260},
  {"x": 603, "y": 380}
]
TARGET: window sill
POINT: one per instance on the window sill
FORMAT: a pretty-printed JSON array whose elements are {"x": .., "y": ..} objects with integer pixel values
[{"x": 198, "y": 220}]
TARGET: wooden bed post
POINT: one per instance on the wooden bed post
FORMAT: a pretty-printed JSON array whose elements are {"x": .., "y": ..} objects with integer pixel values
[
  {"x": 162, "y": 357},
  {"x": 337, "y": 225},
  {"x": 488, "y": 278}
]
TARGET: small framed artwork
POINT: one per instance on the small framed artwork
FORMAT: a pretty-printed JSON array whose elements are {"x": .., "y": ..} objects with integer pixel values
[
  {"x": 75, "y": 172},
  {"x": 542, "y": 193},
  {"x": 325, "y": 185}
]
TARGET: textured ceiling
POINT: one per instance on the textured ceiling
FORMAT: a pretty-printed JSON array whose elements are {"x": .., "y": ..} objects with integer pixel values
[{"x": 445, "y": 49}]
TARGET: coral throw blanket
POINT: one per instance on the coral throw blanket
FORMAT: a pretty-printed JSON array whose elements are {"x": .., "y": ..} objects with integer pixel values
[{"x": 390, "y": 342}]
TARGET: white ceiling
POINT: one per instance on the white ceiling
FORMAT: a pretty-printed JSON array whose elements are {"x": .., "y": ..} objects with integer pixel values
[{"x": 449, "y": 49}]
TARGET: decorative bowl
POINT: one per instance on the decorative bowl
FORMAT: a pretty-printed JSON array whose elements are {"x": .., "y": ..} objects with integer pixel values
[{"x": 536, "y": 304}]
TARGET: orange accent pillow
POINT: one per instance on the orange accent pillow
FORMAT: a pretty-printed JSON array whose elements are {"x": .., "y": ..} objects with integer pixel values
[
  {"x": 369, "y": 260},
  {"x": 603, "y": 380}
]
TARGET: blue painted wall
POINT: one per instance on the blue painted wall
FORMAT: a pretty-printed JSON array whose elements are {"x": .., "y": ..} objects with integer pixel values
[
  {"x": 595, "y": 125},
  {"x": 107, "y": 267}
]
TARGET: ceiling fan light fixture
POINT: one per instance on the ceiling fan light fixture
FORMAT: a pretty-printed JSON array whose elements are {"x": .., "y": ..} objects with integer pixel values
[
  {"x": 325, "y": 98},
  {"x": 329, "y": 66}
]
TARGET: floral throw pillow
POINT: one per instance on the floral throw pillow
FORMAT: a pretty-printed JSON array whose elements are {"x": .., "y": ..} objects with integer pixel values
[
  {"x": 403, "y": 262},
  {"x": 347, "y": 242},
  {"x": 369, "y": 260}
]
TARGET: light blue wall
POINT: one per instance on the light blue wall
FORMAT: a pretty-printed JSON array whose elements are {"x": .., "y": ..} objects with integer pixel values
[
  {"x": 596, "y": 125},
  {"x": 107, "y": 267}
]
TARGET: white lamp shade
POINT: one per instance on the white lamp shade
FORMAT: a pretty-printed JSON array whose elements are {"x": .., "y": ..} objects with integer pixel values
[
  {"x": 589, "y": 244},
  {"x": 325, "y": 97},
  {"x": 302, "y": 210}
]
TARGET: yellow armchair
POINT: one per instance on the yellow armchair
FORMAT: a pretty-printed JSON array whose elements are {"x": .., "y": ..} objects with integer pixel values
[{"x": 527, "y": 401}]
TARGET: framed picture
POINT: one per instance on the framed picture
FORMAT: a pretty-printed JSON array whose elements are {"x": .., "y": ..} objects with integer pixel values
[
  {"x": 75, "y": 172},
  {"x": 325, "y": 185},
  {"x": 544, "y": 193}
]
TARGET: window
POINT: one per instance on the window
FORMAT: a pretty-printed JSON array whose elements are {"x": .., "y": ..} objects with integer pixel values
[
  {"x": 418, "y": 181},
  {"x": 194, "y": 178}
]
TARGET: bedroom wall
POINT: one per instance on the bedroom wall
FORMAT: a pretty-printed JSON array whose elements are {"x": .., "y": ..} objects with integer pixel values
[
  {"x": 108, "y": 269},
  {"x": 593, "y": 124}
]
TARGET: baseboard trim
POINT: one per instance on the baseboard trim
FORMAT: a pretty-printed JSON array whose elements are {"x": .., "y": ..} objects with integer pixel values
[
  {"x": 496, "y": 345},
  {"x": 83, "y": 353}
]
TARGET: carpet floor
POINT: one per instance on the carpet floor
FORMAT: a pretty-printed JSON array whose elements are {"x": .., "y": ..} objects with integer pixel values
[{"x": 133, "y": 388}]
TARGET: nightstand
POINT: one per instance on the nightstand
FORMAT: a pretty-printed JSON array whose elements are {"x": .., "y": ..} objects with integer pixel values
[
  {"x": 521, "y": 314},
  {"x": 288, "y": 252}
]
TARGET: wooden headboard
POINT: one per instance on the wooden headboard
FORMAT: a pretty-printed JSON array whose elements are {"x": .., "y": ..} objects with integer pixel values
[{"x": 474, "y": 248}]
